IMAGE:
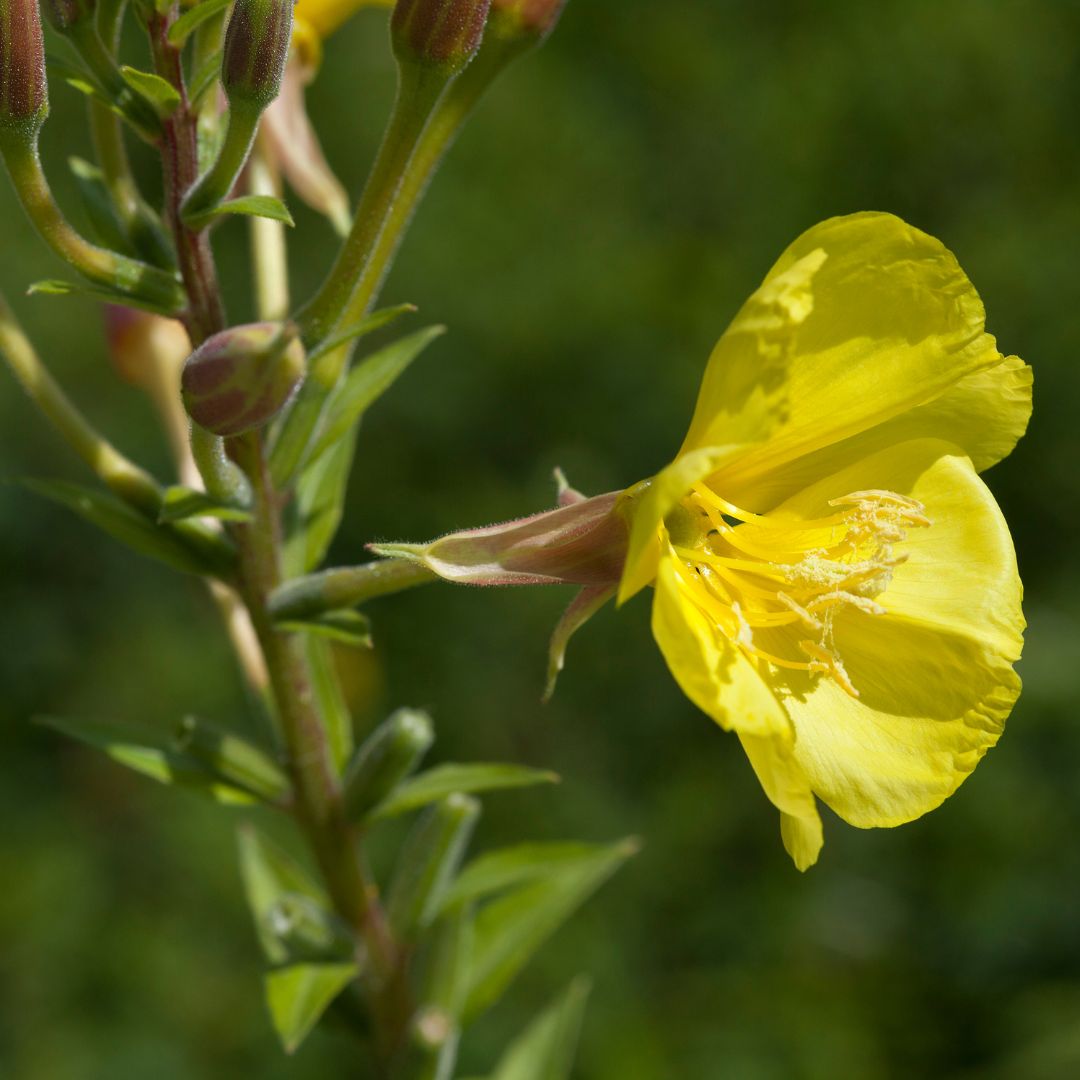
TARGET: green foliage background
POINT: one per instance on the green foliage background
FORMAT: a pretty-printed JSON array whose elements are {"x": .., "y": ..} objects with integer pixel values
[{"x": 605, "y": 215}]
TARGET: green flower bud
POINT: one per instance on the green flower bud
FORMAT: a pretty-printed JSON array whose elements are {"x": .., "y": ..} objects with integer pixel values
[
  {"x": 24, "y": 93},
  {"x": 235, "y": 760},
  {"x": 444, "y": 33},
  {"x": 256, "y": 48},
  {"x": 432, "y": 853},
  {"x": 241, "y": 378},
  {"x": 527, "y": 19},
  {"x": 64, "y": 14},
  {"x": 391, "y": 752}
]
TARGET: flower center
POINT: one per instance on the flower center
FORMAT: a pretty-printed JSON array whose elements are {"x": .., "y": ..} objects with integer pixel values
[{"x": 756, "y": 573}]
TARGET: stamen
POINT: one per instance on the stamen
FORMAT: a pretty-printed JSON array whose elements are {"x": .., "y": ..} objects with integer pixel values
[{"x": 755, "y": 572}]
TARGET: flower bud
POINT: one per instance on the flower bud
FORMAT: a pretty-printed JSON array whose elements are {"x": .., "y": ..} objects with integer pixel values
[
  {"x": 64, "y": 14},
  {"x": 392, "y": 751},
  {"x": 583, "y": 543},
  {"x": 241, "y": 378},
  {"x": 238, "y": 762},
  {"x": 432, "y": 853},
  {"x": 24, "y": 93},
  {"x": 530, "y": 19},
  {"x": 444, "y": 33},
  {"x": 256, "y": 48}
]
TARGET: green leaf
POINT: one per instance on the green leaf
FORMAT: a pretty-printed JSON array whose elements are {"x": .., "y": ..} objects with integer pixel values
[
  {"x": 193, "y": 18},
  {"x": 162, "y": 95},
  {"x": 298, "y": 995},
  {"x": 434, "y": 784},
  {"x": 367, "y": 382},
  {"x": 98, "y": 205},
  {"x": 335, "y": 713},
  {"x": 179, "y": 503},
  {"x": 270, "y": 876},
  {"x": 545, "y": 1050},
  {"x": 56, "y": 287},
  {"x": 367, "y": 325},
  {"x": 317, "y": 508},
  {"x": 509, "y": 931},
  {"x": 162, "y": 542},
  {"x": 345, "y": 627},
  {"x": 204, "y": 77},
  {"x": 161, "y": 764},
  {"x": 497, "y": 871},
  {"x": 267, "y": 206}
]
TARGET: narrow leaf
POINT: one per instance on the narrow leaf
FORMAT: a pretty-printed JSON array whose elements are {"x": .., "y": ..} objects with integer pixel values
[
  {"x": 161, "y": 764},
  {"x": 270, "y": 875},
  {"x": 298, "y": 995},
  {"x": 116, "y": 518},
  {"x": 179, "y": 503},
  {"x": 434, "y": 784},
  {"x": 266, "y": 206},
  {"x": 497, "y": 871},
  {"x": 367, "y": 382},
  {"x": 510, "y": 930},
  {"x": 332, "y": 706},
  {"x": 367, "y": 325},
  {"x": 98, "y": 205},
  {"x": 317, "y": 508},
  {"x": 204, "y": 77},
  {"x": 345, "y": 627},
  {"x": 56, "y": 287},
  {"x": 162, "y": 95},
  {"x": 545, "y": 1050},
  {"x": 193, "y": 18}
]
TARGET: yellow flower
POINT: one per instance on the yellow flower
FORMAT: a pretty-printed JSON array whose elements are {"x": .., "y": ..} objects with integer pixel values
[
  {"x": 833, "y": 581},
  {"x": 315, "y": 20}
]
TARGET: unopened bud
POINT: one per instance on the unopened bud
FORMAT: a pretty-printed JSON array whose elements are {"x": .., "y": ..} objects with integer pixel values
[
  {"x": 429, "y": 859},
  {"x": 444, "y": 33},
  {"x": 532, "y": 19},
  {"x": 386, "y": 758},
  {"x": 256, "y": 48},
  {"x": 24, "y": 93},
  {"x": 235, "y": 760},
  {"x": 241, "y": 378},
  {"x": 64, "y": 14}
]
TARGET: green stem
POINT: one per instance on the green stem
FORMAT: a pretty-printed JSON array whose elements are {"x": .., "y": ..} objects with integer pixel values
[
  {"x": 121, "y": 476},
  {"x": 347, "y": 586},
  {"x": 223, "y": 478},
  {"x": 117, "y": 272},
  {"x": 269, "y": 255},
  {"x": 419, "y": 89},
  {"x": 214, "y": 186}
]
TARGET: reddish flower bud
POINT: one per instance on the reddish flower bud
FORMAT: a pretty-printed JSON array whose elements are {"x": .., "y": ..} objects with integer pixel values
[
  {"x": 256, "y": 48},
  {"x": 241, "y": 378},
  {"x": 526, "y": 18},
  {"x": 64, "y": 14},
  {"x": 24, "y": 93},
  {"x": 445, "y": 33}
]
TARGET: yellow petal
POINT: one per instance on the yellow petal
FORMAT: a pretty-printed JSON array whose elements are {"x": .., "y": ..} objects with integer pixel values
[
  {"x": 325, "y": 16},
  {"x": 934, "y": 674},
  {"x": 886, "y": 321},
  {"x": 789, "y": 791},
  {"x": 984, "y": 414},
  {"x": 712, "y": 672}
]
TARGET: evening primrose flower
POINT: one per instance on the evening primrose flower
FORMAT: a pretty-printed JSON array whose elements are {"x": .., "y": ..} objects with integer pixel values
[{"x": 832, "y": 580}]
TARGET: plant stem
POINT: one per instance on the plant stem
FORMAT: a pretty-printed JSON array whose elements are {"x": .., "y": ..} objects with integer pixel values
[
  {"x": 347, "y": 586},
  {"x": 269, "y": 255}
]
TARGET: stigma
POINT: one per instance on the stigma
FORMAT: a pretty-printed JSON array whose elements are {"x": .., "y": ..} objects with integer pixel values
[{"x": 774, "y": 584}]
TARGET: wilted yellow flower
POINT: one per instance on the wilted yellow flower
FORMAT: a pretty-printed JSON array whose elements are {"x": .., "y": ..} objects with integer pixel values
[{"x": 833, "y": 581}]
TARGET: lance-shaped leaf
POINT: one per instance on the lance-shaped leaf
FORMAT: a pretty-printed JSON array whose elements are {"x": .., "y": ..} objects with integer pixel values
[
  {"x": 345, "y": 627},
  {"x": 367, "y": 382},
  {"x": 316, "y": 510},
  {"x": 503, "y": 869},
  {"x": 99, "y": 206},
  {"x": 179, "y": 503},
  {"x": 161, "y": 94},
  {"x": 299, "y": 994},
  {"x": 510, "y": 930},
  {"x": 332, "y": 706},
  {"x": 443, "y": 780},
  {"x": 193, "y": 18},
  {"x": 192, "y": 551},
  {"x": 58, "y": 287},
  {"x": 237, "y": 761},
  {"x": 167, "y": 766},
  {"x": 545, "y": 1050},
  {"x": 266, "y": 206}
]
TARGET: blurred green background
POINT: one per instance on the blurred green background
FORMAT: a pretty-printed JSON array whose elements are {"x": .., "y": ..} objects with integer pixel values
[{"x": 607, "y": 212}]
